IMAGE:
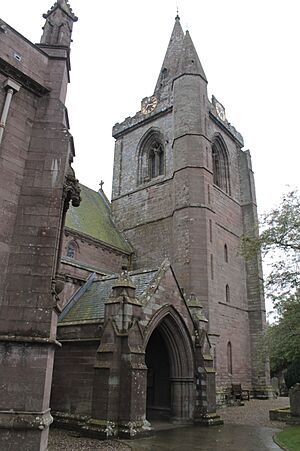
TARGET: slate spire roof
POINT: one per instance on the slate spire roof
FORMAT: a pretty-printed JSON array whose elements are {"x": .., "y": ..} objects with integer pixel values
[
  {"x": 171, "y": 61},
  {"x": 181, "y": 57}
]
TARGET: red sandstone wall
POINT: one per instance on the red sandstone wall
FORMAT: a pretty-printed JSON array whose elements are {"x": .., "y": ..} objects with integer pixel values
[
  {"x": 73, "y": 378},
  {"x": 90, "y": 256}
]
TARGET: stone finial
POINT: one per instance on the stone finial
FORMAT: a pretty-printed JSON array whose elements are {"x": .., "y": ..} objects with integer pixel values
[
  {"x": 124, "y": 281},
  {"x": 59, "y": 24}
]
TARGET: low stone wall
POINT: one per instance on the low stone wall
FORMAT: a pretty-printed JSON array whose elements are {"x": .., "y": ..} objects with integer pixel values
[{"x": 282, "y": 414}]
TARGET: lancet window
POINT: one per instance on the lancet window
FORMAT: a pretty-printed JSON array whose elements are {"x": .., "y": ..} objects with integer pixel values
[{"x": 220, "y": 165}]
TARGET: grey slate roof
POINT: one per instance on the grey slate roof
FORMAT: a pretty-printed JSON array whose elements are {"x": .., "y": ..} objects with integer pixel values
[{"x": 90, "y": 305}]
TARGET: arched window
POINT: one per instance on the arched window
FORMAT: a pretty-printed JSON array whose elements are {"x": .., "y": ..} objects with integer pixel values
[
  {"x": 225, "y": 253},
  {"x": 155, "y": 159},
  {"x": 227, "y": 294},
  {"x": 229, "y": 358},
  {"x": 71, "y": 250},
  {"x": 151, "y": 157},
  {"x": 220, "y": 165}
]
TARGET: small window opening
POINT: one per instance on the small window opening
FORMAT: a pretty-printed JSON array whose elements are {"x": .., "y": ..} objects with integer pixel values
[
  {"x": 229, "y": 358},
  {"x": 71, "y": 250},
  {"x": 227, "y": 294},
  {"x": 225, "y": 253}
]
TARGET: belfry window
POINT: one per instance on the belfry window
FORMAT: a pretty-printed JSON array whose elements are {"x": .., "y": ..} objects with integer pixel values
[
  {"x": 220, "y": 165},
  {"x": 151, "y": 157},
  {"x": 156, "y": 159}
]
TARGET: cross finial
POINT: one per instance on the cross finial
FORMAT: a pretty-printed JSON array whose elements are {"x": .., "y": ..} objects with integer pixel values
[
  {"x": 177, "y": 13},
  {"x": 101, "y": 185}
]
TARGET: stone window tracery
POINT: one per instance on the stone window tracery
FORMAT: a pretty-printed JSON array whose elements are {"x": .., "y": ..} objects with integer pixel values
[
  {"x": 220, "y": 165},
  {"x": 151, "y": 157}
]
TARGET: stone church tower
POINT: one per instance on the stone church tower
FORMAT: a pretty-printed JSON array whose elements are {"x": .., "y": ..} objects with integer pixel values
[{"x": 183, "y": 189}]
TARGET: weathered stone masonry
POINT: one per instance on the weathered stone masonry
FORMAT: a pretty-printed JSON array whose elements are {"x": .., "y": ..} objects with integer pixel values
[
  {"x": 37, "y": 183},
  {"x": 185, "y": 318}
]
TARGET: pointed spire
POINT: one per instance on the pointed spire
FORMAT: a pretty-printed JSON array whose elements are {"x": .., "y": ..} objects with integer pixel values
[
  {"x": 59, "y": 24},
  {"x": 171, "y": 61},
  {"x": 181, "y": 57},
  {"x": 190, "y": 62}
]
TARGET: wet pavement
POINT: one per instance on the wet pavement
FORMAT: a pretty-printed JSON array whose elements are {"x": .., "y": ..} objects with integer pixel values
[
  {"x": 230, "y": 437},
  {"x": 246, "y": 428}
]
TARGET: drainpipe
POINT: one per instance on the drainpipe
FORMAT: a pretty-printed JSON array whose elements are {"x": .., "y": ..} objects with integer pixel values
[{"x": 11, "y": 87}]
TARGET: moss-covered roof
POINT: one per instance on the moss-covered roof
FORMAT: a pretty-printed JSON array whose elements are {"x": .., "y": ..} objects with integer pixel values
[
  {"x": 93, "y": 218},
  {"x": 88, "y": 305}
]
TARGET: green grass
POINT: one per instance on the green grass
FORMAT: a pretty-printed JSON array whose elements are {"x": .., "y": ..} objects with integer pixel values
[{"x": 289, "y": 438}]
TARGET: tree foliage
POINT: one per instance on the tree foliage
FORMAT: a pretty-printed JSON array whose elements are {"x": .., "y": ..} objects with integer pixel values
[
  {"x": 292, "y": 376},
  {"x": 283, "y": 336},
  {"x": 279, "y": 243}
]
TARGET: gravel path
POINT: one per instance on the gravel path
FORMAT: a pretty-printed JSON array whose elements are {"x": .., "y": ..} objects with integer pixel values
[
  {"x": 253, "y": 413},
  {"x": 61, "y": 440}
]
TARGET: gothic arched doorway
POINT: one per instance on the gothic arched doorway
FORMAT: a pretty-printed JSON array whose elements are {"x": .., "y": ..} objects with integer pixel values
[
  {"x": 158, "y": 378},
  {"x": 170, "y": 362}
]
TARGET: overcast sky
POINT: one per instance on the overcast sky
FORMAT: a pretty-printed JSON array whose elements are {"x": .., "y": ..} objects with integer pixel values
[{"x": 249, "y": 51}]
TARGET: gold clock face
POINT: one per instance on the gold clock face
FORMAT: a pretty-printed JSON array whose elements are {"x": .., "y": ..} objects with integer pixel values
[
  {"x": 149, "y": 104},
  {"x": 220, "y": 112}
]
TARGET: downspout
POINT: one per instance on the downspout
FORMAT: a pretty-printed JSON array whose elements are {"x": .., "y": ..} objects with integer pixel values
[{"x": 11, "y": 87}]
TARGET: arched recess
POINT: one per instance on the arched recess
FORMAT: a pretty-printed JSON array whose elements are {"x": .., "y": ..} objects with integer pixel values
[
  {"x": 170, "y": 386},
  {"x": 221, "y": 174},
  {"x": 151, "y": 156},
  {"x": 72, "y": 249}
]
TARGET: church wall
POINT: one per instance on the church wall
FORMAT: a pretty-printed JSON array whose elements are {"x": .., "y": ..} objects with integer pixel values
[
  {"x": 73, "y": 378},
  {"x": 228, "y": 315},
  {"x": 156, "y": 236},
  {"x": 153, "y": 202},
  {"x": 24, "y": 55},
  {"x": 13, "y": 154},
  {"x": 94, "y": 254},
  {"x": 90, "y": 256},
  {"x": 233, "y": 327},
  {"x": 35, "y": 154}
]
